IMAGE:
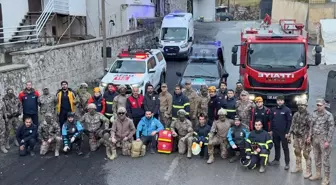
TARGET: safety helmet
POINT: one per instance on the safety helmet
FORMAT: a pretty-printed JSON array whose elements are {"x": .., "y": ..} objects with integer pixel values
[
  {"x": 258, "y": 99},
  {"x": 181, "y": 112},
  {"x": 222, "y": 112},
  {"x": 195, "y": 148},
  {"x": 83, "y": 85},
  {"x": 212, "y": 89},
  {"x": 96, "y": 90},
  {"x": 302, "y": 102},
  {"x": 92, "y": 106}
]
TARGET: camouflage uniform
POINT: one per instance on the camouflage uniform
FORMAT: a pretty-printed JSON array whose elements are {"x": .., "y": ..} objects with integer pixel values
[
  {"x": 120, "y": 100},
  {"x": 166, "y": 104},
  {"x": 122, "y": 134},
  {"x": 92, "y": 122},
  {"x": 47, "y": 103},
  {"x": 218, "y": 136},
  {"x": 184, "y": 131},
  {"x": 13, "y": 109},
  {"x": 193, "y": 100},
  {"x": 2, "y": 127},
  {"x": 244, "y": 110},
  {"x": 49, "y": 130},
  {"x": 321, "y": 131},
  {"x": 202, "y": 107},
  {"x": 82, "y": 98},
  {"x": 300, "y": 130}
]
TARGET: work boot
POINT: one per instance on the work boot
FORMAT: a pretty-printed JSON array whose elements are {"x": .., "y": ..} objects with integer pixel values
[
  {"x": 189, "y": 154},
  {"x": 317, "y": 176},
  {"x": 262, "y": 169},
  {"x": 307, "y": 174},
  {"x": 211, "y": 159},
  {"x": 325, "y": 181},
  {"x": 108, "y": 152},
  {"x": 152, "y": 151},
  {"x": 298, "y": 167},
  {"x": 56, "y": 153},
  {"x": 274, "y": 163},
  {"x": 16, "y": 142},
  {"x": 3, "y": 149},
  {"x": 287, "y": 167},
  {"x": 234, "y": 159},
  {"x": 7, "y": 145},
  {"x": 32, "y": 153},
  {"x": 114, "y": 155},
  {"x": 79, "y": 150}
]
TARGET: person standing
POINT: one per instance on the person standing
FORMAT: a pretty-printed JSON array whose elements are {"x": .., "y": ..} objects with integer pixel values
[
  {"x": 47, "y": 103},
  {"x": 260, "y": 112},
  {"x": 166, "y": 105},
  {"x": 281, "y": 119},
  {"x": 109, "y": 96},
  {"x": 29, "y": 99},
  {"x": 65, "y": 102},
  {"x": 321, "y": 136},
  {"x": 135, "y": 106},
  {"x": 180, "y": 101},
  {"x": 98, "y": 100},
  {"x": 193, "y": 100},
  {"x": 151, "y": 101}
]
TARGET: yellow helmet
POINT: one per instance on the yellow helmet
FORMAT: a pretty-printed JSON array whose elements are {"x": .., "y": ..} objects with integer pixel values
[
  {"x": 96, "y": 90},
  {"x": 212, "y": 89}
]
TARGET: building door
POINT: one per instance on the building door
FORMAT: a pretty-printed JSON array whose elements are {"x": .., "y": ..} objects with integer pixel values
[
  {"x": 35, "y": 5},
  {"x": 1, "y": 25}
]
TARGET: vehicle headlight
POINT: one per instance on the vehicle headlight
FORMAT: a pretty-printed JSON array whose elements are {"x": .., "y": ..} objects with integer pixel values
[
  {"x": 160, "y": 46},
  {"x": 139, "y": 85},
  {"x": 252, "y": 97},
  {"x": 301, "y": 97},
  {"x": 184, "y": 45},
  {"x": 102, "y": 84}
]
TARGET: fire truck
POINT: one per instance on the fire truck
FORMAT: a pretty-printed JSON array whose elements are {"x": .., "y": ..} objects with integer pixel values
[{"x": 274, "y": 61}]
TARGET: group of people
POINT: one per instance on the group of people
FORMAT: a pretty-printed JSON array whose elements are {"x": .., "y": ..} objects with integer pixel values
[{"x": 245, "y": 130}]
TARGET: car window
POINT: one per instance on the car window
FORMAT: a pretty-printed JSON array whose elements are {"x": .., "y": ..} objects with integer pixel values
[
  {"x": 128, "y": 66},
  {"x": 151, "y": 63},
  {"x": 159, "y": 56},
  {"x": 210, "y": 70}
]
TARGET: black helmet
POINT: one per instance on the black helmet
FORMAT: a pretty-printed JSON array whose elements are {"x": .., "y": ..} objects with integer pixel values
[
  {"x": 237, "y": 118},
  {"x": 71, "y": 115}
]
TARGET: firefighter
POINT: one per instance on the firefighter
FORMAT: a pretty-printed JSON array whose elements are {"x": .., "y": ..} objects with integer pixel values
[
  {"x": 258, "y": 147},
  {"x": 214, "y": 105},
  {"x": 193, "y": 100},
  {"x": 230, "y": 105},
  {"x": 201, "y": 135},
  {"x": 244, "y": 107},
  {"x": 109, "y": 96},
  {"x": 180, "y": 101},
  {"x": 236, "y": 137},
  {"x": 98, "y": 100},
  {"x": 260, "y": 112}
]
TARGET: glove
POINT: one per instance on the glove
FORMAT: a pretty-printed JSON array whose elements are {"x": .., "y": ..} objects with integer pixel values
[
  {"x": 248, "y": 157},
  {"x": 126, "y": 138},
  {"x": 72, "y": 139},
  {"x": 66, "y": 148}
]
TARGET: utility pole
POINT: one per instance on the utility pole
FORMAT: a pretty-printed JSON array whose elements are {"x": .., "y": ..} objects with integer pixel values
[{"x": 104, "y": 34}]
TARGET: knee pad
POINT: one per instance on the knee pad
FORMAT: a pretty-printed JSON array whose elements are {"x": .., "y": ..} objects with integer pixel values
[
  {"x": 106, "y": 136},
  {"x": 297, "y": 152},
  {"x": 306, "y": 155}
]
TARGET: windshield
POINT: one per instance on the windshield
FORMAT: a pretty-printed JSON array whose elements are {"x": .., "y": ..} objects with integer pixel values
[
  {"x": 174, "y": 34},
  {"x": 277, "y": 55},
  {"x": 202, "y": 70},
  {"x": 128, "y": 66}
]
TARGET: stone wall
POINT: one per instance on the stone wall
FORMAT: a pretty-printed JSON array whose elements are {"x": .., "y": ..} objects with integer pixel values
[
  {"x": 175, "y": 5},
  {"x": 74, "y": 62},
  {"x": 6, "y": 49}
]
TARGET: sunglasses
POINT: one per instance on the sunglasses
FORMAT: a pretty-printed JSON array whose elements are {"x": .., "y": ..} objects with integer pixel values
[{"x": 121, "y": 113}]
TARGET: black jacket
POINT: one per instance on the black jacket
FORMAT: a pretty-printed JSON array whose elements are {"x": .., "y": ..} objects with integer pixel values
[
  {"x": 259, "y": 138},
  {"x": 26, "y": 133},
  {"x": 180, "y": 101},
  {"x": 152, "y": 103},
  {"x": 263, "y": 115},
  {"x": 109, "y": 96},
  {"x": 230, "y": 107},
  {"x": 281, "y": 119},
  {"x": 214, "y": 105},
  {"x": 202, "y": 131}
]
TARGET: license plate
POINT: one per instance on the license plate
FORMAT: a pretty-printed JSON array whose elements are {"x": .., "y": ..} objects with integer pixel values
[
  {"x": 171, "y": 53},
  {"x": 271, "y": 97}
]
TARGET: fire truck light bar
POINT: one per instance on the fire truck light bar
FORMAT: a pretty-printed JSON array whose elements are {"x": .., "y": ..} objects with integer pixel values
[
  {"x": 272, "y": 36},
  {"x": 215, "y": 43}
]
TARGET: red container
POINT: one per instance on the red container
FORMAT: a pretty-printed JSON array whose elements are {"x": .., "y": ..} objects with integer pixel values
[
  {"x": 165, "y": 147},
  {"x": 165, "y": 136}
]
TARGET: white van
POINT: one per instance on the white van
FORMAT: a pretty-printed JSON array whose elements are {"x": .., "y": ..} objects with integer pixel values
[{"x": 176, "y": 35}]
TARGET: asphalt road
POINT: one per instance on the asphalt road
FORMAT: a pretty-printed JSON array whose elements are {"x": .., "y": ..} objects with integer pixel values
[{"x": 159, "y": 169}]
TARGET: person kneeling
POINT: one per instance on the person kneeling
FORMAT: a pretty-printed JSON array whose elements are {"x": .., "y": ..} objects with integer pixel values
[
  {"x": 201, "y": 136},
  {"x": 49, "y": 133},
  {"x": 26, "y": 135},
  {"x": 72, "y": 132},
  {"x": 149, "y": 127},
  {"x": 122, "y": 132},
  {"x": 236, "y": 136},
  {"x": 258, "y": 146}
]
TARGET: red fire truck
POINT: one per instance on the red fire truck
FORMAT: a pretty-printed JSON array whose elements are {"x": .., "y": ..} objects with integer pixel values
[{"x": 274, "y": 61}]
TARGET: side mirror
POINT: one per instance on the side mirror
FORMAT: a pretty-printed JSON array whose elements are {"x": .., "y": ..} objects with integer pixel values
[
  {"x": 234, "y": 49},
  {"x": 318, "y": 49},
  {"x": 234, "y": 59},
  {"x": 190, "y": 39},
  {"x": 157, "y": 39},
  {"x": 107, "y": 69},
  {"x": 151, "y": 71},
  {"x": 179, "y": 74},
  {"x": 225, "y": 75},
  {"x": 318, "y": 59}
]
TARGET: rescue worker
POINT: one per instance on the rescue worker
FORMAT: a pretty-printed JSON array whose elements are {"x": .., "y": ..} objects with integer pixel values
[
  {"x": 202, "y": 107},
  {"x": 151, "y": 101},
  {"x": 236, "y": 137},
  {"x": 109, "y": 96},
  {"x": 218, "y": 136},
  {"x": 258, "y": 147},
  {"x": 201, "y": 135},
  {"x": 230, "y": 105},
  {"x": 321, "y": 136},
  {"x": 122, "y": 134},
  {"x": 239, "y": 89},
  {"x": 3, "y": 121},
  {"x": 166, "y": 105},
  {"x": 82, "y": 97},
  {"x": 260, "y": 112},
  {"x": 244, "y": 107},
  {"x": 180, "y": 101},
  {"x": 182, "y": 129},
  {"x": 72, "y": 133},
  {"x": 26, "y": 135},
  {"x": 281, "y": 119},
  {"x": 49, "y": 133},
  {"x": 29, "y": 99},
  {"x": 222, "y": 92},
  {"x": 47, "y": 103},
  {"x": 193, "y": 100},
  {"x": 66, "y": 100},
  {"x": 13, "y": 108},
  {"x": 214, "y": 105},
  {"x": 147, "y": 130},
  {"x": 98, "y": 100},
  {"x": 120, "y": 100},
  {"x": 96, "y": 126},
  {"x": 300, "y": 131},
  {"x": 135, "y": 106}
]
